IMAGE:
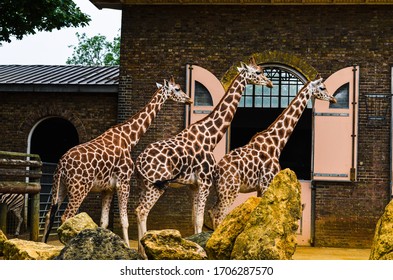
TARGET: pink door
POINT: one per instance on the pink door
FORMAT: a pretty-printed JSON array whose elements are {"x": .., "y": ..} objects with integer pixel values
[
  {"x": 206, "y": 92},
  {"x": 336, "y": 128}
]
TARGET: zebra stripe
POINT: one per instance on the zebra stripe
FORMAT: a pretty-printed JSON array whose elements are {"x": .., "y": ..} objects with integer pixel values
[{"x": 15, "y": 203}]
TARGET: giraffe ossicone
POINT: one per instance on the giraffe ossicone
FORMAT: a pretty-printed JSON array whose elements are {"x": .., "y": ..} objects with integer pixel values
[
  {"x": 104, "y": 164},
  {"x": 187, "y": 158},
  {"x": 252, "y": 167}
]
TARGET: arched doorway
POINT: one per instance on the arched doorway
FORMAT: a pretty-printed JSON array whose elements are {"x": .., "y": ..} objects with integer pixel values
[
  {"x": 260, "y": 106},
  {"x": 51, "y": 138}
]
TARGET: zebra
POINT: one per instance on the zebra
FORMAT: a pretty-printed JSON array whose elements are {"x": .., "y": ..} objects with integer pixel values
[{"x": 15, "y": 203}]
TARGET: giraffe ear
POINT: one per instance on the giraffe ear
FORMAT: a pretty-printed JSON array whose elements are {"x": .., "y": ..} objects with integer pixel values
[
  {"x": 172, "y": 81},
  {"x": 158, "y": 85},
  {"x": 316, "y": 82},
  {"x": 252, "y": 61}
]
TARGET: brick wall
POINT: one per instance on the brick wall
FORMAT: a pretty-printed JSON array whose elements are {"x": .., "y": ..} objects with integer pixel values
[{"x": 158, "y": 41}]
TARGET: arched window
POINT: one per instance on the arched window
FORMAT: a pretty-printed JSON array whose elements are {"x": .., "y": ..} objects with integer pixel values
[{"x": 287, "y": 83}]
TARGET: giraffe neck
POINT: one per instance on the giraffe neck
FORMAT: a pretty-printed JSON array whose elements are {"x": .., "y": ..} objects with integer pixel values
[
  {"x": 281, "y": 129},
  {"x": 134, "y": 127},
  {"x": 214, "y": 125}
]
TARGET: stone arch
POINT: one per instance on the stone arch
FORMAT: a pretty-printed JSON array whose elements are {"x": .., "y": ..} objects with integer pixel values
[
  {"x": 278, "y": 57},
  {"x": 44, "y": 112}
]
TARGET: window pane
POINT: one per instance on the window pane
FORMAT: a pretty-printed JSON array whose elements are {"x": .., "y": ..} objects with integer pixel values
[
  {"x": 342, "y": 97},
  {"x": 266, "y": 102},
  {"x": 275, "y": 102},
  {"x": 293, "y": 90},
  {"x": 285, "y": 90},
  {"x": 275, "y": 91},
  {"x": 248, "y": 100},
  {"x": 284, "y": 102},
  {"x": 248, "y": 90},
  {"x": 202, "y": 95},
  {"x": 258, "y": 90},
  {"x": 258, "y": 102}
]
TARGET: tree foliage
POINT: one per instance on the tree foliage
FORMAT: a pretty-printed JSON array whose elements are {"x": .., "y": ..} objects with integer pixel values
[
  {"x": 96, "y": 50},
  {"x": 22, "y": 17}
]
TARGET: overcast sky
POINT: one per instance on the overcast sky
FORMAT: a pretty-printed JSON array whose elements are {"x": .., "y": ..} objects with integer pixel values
[{"x": 52, "y": 47}]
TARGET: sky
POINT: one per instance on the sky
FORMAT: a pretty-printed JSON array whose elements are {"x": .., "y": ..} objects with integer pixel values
[{"x": 52, "y": 48}]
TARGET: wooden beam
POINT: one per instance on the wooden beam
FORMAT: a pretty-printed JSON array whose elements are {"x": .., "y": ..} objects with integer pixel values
[{"x": 19, "y": 187}]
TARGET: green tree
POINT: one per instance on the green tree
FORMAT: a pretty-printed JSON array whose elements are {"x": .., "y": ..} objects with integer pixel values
[
  {"x": 96, "y": 50},
  {"x": 22, "y": 17}
]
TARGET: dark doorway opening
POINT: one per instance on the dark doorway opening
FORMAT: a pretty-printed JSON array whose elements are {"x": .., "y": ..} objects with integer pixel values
[
  {"x": 297, "y": 152},
  {"x": 52, "y": 138}
]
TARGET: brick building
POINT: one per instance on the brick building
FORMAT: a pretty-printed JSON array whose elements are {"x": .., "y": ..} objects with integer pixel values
[
  {"x": 46, "y": 109},
  {"x": 341, "y": 154},
  {"x": 298, "y": 39}
]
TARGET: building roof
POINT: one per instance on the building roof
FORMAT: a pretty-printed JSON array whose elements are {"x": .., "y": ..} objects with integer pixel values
[
  {"x": 59, "y": 78},
  {"x": 117, "y": 4}
]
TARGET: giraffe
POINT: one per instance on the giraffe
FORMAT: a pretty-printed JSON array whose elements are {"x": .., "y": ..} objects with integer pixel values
[
  {"x": 104, "y": 164},
  {"x": 187, "y": 158},
  {"x": 252, "y": 167}
]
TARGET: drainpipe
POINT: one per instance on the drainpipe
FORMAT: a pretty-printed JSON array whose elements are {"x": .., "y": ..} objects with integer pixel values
[{"x": 391, "y": 135}]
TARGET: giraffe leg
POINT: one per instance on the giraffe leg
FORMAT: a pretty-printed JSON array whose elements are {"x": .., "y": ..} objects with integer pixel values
[
  {"x": 74, "y": 202},
  {"x": 226, "y": 195},
  {"x": 199, "y": 202},
  {"x": 122, "y": 194},
  {"x": 106, "y": 206},
  {"x": 148, "y": 197}
]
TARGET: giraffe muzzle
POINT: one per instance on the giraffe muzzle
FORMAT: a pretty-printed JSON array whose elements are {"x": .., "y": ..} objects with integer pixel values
[
  {"x": 269, "y": 84},
  {"x": 332, "y": 99}
]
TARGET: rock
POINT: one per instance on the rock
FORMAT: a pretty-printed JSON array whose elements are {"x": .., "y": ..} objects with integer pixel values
[
  {"x": 169, "y": 245},
  {"x": 71, "y": 227},
  {"x": 3, "y": 238},
  {"x": 200, "y": 238},
  {"x": 382, "y": 247},
  {"x": 220, "y": 244},
  {"x": 18, "y": 249},
  {"x": 97, "y": 244},
  {"x": 270, "y": 233}
]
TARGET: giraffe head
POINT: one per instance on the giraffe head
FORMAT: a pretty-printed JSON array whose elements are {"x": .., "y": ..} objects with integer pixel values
[
  {"x": 319, "y": 91},
  {"x": 173, "y": 91},
  {"x": 253, "y": 74}
]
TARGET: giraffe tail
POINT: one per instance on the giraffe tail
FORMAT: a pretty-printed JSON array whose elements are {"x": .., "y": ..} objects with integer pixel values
[
  {"x": 49, "y": 220},
  {"x": 50, "y": 215}
]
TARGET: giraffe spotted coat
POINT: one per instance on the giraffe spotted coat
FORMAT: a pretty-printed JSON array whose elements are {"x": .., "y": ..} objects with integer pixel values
[
  {"x": 187, "y": 158},
  {"x": 104, "y": 164},
  {"x": 252, "y": 167}
]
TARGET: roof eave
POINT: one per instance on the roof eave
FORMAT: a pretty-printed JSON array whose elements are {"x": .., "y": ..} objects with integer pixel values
[
  {"x": 118, "y": 4},
  {"x": 48, "y": 88}
]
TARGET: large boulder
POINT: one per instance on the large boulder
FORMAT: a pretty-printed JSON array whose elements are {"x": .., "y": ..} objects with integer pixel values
[
  {"x": 382, "y": 247},
  {"x": 270, "y": 232},
  {"x": 220, "y": 244},
  {"x": 18, "y": 249},
  {"x": 97, "y": 244},
  {"x": 169, "y": 245},
  {"x": 71, "y": 227}
]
